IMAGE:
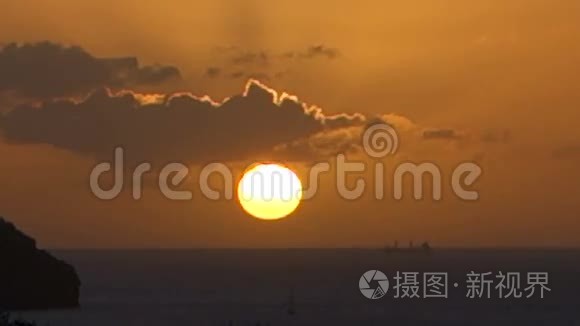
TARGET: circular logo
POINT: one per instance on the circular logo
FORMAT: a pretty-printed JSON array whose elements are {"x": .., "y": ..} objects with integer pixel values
[
  {"x": 373, "y": 284},
  {"x": 380, "y": 140}
]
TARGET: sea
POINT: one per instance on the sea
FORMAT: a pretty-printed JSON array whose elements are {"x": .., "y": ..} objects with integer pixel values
[{"x": 321, "y": 287}]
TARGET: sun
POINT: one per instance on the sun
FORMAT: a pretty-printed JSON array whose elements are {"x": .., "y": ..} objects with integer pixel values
[{"x": 269, "y": 191}]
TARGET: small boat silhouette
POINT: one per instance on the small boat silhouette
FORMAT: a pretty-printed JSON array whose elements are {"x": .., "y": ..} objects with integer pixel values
[{"x": 424, "y": 248}]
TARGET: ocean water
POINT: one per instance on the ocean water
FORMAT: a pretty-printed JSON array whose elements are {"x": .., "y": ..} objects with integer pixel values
[{"x": 321, "y": 287}]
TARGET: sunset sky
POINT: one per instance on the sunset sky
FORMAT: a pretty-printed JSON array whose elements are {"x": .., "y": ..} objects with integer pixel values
[{"x": 494, "y": 82}]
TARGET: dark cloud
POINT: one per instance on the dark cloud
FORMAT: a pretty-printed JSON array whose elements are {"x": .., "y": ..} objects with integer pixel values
[
  {"x": 315, "y": 51},
  {"x": 45, "y": 70},
  {"x": 343, "y": 136},
  {"x": 441, "y": 134},
  {"x": 262, "y": 57},
  {"x": 259, "y": 58},
  {"x": 321, "y": 51},
  {"x": 257, "y": 63},
  {"x": 320, "y": 146},
  {"x": 148, "y": 75},
  {"x": 213, "y": 72},
  {"x": 178, "y": 127}
]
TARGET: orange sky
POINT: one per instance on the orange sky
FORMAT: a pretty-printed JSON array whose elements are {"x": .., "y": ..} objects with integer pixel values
[{"x": 506, "y": 68}]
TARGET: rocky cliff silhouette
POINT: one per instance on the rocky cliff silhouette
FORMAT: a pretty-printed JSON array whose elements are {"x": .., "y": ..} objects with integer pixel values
[{"x": 31, "y": 278}]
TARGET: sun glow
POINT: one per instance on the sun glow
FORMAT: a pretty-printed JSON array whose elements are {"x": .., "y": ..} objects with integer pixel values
[{"x": 269, "y": 191}]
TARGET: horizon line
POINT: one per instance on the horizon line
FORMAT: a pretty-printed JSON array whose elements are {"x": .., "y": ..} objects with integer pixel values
[{"x": 445, "y": 248}]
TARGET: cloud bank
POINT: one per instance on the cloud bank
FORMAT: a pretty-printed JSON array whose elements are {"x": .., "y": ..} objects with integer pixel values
[
  {"x": 258, "y": 124},
  {"x": 173, "y": 127},
  {"x": 45, "y": 70}
]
